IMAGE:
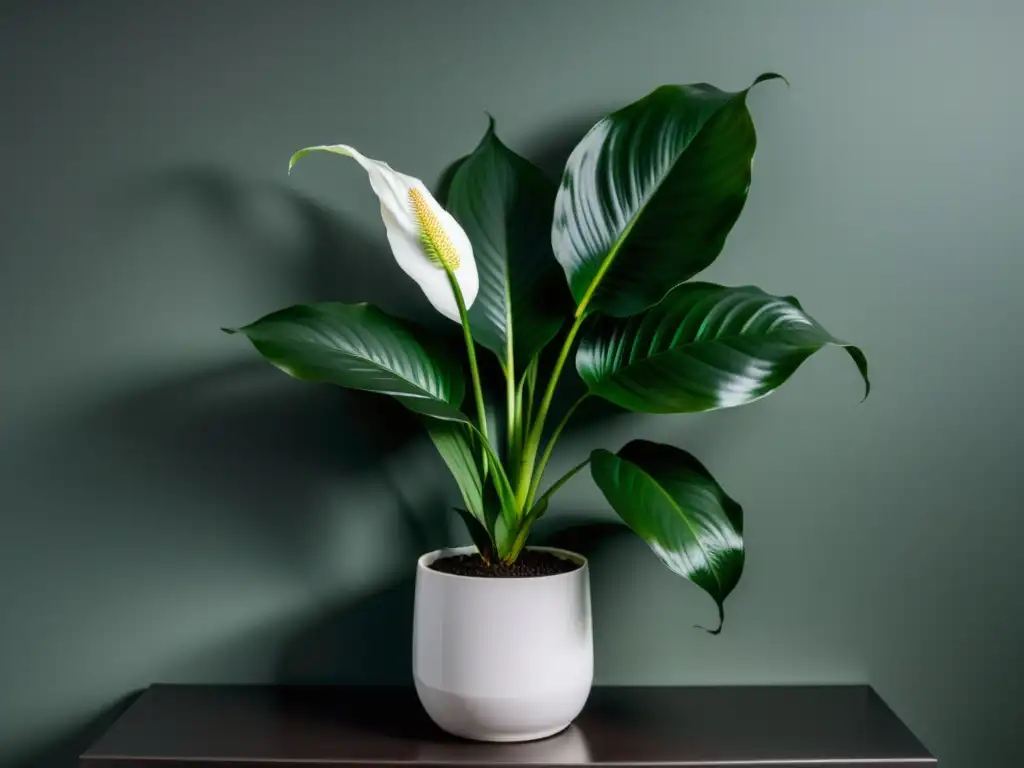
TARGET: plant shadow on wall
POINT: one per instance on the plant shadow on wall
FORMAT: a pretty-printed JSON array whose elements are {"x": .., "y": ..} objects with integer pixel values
[
  {"x": 272, "y": 455},
  {"x": 284, "y": 479},
  {"x": 261, "y": 457}
]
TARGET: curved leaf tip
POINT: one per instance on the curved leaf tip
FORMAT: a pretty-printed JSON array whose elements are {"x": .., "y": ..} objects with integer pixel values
[
  {"x": 855, "y": 353},
  {"x": 766, "y": 76},
  {"x": 295, "y": 158},
  {"x": 490, "y": 135},
  {"x": 861, "y": 361},
  {"x": 721, "y": 622},
  {"x": 336, "y": 149}
]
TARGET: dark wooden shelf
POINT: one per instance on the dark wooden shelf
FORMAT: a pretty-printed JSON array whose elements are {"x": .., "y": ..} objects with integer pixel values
[{"x": 835, "y": 726}]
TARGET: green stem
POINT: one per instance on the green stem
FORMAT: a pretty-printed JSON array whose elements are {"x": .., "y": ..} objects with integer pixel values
[
  {"x": 537, "y": 430},
  {"x": 543, "y": 501},
  {"x": 520, "y": 417},
  {"x": 531, "y": 388},
  {"x": 541, "y": 506},
  {"x": 471, "y": 352},
  {"x": 510, "y": 405},
  {"x": 538, "y": 474},
  {"x": 524, "y": 404}
]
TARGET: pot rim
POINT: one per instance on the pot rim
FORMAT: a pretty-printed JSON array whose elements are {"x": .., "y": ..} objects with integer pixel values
[{"x": 424, "y": 560}]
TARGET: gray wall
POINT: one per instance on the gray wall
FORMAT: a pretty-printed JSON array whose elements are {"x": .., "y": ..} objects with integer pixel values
[{"x": 173, "y": 510}]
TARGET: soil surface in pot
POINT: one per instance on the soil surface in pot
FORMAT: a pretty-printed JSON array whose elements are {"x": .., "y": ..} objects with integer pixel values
[{"x": 528, "y": 564}]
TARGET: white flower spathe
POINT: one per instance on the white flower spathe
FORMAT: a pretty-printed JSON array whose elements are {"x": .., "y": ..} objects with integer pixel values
[{"x": 425, "y": 239}]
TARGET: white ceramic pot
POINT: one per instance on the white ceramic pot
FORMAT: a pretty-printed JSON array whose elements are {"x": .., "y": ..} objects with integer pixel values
[{"x": 502, "y": 659}]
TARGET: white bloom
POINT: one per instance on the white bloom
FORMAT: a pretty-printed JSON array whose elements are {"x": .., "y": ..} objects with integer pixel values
[{"x": 426, "y": 239}]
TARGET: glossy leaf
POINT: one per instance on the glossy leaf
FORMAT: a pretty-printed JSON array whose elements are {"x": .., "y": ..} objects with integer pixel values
[
  {"x": 650, "y": 193},
  {"x": 674, "y": 504},
  {"x": 704, "y": 346},
  {"x": 504, "y": 204},
  {"x": 360, "y": 347}
]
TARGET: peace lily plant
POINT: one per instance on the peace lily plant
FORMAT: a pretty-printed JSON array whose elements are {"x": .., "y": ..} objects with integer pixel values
[{"x": 600, "y": 269}]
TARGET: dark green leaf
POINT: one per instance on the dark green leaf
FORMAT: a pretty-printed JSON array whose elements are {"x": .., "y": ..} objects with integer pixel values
[
  {"x": 674, "y": 504},
  {"x": 498, "y": 504},
  {"x": 500, "y": 513},
  {"x": 491, "y": 502},
  {"x": 360, "y": 347},
  {"x": 505, "y": 204},
  {"x": 454, "y": 442},
  {"x": 481, "y": 538},
  {"x": 444, "y": 182},
  {"x": 650, "y": 193},
  {"x": 703, "y": 347}
]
